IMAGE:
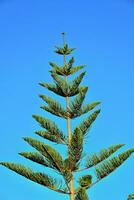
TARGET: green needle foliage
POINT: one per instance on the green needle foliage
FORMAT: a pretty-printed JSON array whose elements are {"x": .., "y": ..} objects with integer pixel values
[
  {"x": 51, "y": 127},
  {"x": 53, "y": 106},
  {"x": 85, "y": 181},
  {"x": 76, "y": 148},
  {"x": 38, "y": 177},
  {"x": 81, "y": 195},
  {"x": 130, "y": 197},
  {"x": 102, "y": 155},
  {"x": 103, "y": 162}
]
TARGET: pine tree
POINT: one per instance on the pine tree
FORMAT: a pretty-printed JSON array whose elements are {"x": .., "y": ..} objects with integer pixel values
[{"x": 48, "y": 156}]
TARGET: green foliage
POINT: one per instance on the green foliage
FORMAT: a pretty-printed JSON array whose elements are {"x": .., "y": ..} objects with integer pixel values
[
  {"x": 94, "y": 159},
  {"x": 76, "y": 103},
  {"x": 49, "y": 136},
  {"x": 130, "y": 197},
  {"x": 63, "y": 88},
  {"x": 70, "y": 68},
  {"x": 53, "y": 106},
  {"x": 65, "y": 70},
  {"x": 81, "y": 195},
  {"x": 76, "y": 109},
  {"x": 37, "y": 177},
  {"x": 51, "y": 127},
  {"x": 70, "y": 62},
  {"x": 85, "y": 181},
  {"x": 35, "y": 157},
  {"x": 88, "y": 107},
  {"x": 68, "y": 89},
  {"x": 74, "y": 86},
  {"x": 54, "y": 88},
  {"x": 86, "y": 124},
  {"x": 62, "y": 83},
  {"x": 75, "y": 149},
  {"x": 52, "y": 156},
  {"x": 75, "y": 69},
  {"x": 108, "y": 167},
  {"x": 65, "y": 50}
]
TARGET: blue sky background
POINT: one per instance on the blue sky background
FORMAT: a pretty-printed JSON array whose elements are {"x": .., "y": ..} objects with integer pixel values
[{"x": 103, "y": 33}]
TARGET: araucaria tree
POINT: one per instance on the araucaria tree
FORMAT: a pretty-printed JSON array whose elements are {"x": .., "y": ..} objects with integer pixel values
[{"x": 73, "y": 141}]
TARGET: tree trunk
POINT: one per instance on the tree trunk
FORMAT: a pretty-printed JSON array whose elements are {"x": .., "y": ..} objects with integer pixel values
[{"x": 69, "y": 140}]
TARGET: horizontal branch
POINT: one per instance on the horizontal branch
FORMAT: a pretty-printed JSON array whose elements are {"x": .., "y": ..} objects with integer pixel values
[
  {"x": 80, "y": 170},
  {"x": 58, "y": 190}
]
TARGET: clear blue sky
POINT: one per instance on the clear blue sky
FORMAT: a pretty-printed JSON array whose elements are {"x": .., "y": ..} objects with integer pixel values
[{"x": 103, "y": 33}]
